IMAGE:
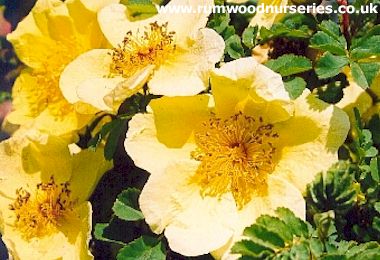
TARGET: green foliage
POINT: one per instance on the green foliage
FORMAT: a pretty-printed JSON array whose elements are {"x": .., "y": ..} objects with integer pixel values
[
  {"x": 112, "y": 131},
  {"x": 288, "y": 237},
  {"x": 143, "y": 248},
  {"x": 292, "y": 26},
  {"x": 249, "y": 36},
  {"x": 333, "y": 190},
  {"x": 330, "y": 65},
  {"x": 350, "y": 190},
  {"x": 289, "y": 64},
  {"x": 329, "y": 39},
  {"x": 140, "y": 9},
  {"x": 295, "y": 86},
  {"x": 338, "y": 54},
  {"x": 126, "y": 205},
  {"x": 126, "y": 210}
]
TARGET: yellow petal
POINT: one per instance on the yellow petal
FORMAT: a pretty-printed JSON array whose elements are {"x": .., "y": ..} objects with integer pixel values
[
  {"x": 310, "y": 140},
  {"x": 245, "y": 79},
  {"x": 187, "y": 24},
  {"x": 187, "y": 72},
  {"x": 354, "y": 96},
  {"x": 142, "y": 143},
  {"x": 127, "y": 88},
  {"x": 115, "y": 22},
  {"x": 50, "y": 158},
  {"x": 96, "y": 5},
  {"x": 85, "y": 175},
  {"x": 89, "y": 65},
  {"x": 281, "y": 193},
  {"x": 70, "y": 243},
  {"x": 267, "y": 19},
  {"x": 25, "y": 39},
  {"x": 194, "y": 225}
]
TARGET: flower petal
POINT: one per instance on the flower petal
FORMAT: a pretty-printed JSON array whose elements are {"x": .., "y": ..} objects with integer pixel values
[
  {"x": 85, "y": 175},
  {"x": 115, "y": 23},
  {"x": 194, "y": 225},
  {"x": 90, "y": 65},
  {"x": 243, "y": 79},
  {"x": 310, "y": 140},
  {"x": 281, "y": 193},
  {"x": 72, "y": 243},
  {"x": 267, "y": 19},
  {"x": 187, "y": 71},
  {"x": 155, "y": 139}
]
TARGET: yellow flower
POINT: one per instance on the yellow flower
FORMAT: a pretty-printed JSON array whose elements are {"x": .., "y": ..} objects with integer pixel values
[
  {"x": 267, "y": 19},
  {"x": 354, "y": 96},
  {"x": 218, "y": 162},
  {"x": 51, "y": 36},
  {"x": 44, "y": 190},
  {"x": 172, "y": 52}
]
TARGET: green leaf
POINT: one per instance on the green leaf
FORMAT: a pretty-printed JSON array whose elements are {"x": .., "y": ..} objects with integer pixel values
[
  {"x": 100, "y": 234},
  {"x": 295, "y": 87},
  {"x": 289, "y": 64},
  {"x": 331, "y": 28},
  {"x": 295, "y": 239},
  {"x": 143, "y": 248},
  {"x": 126, "y": 205},
  {"x": 113, "y": 138},
  {"x": 370, "y": 70},
  {"x": 251, "y": 249},
  {"x": 358, "y": 75},
  {"x": 377, "y": 206},
  {"x": 296, "y": 225},
  {"x": 234, "y": 47},
  {"x": 367, "y": 48},
  {"x": 219, "y": 22},
  {"x": 325, "y": 42},
  {"x": 333, "y": 190},
  {"x": 330, "y": 65},
  {"x": 140, "y": 9},
  {"x": 249, "y": 36},
  {"x": 106, "y": 128},
  {"x": 264, "y": 237},
  {"x": 374, "y": 165}
]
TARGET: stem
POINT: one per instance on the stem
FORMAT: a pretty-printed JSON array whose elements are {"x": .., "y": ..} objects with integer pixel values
[{"x": 345, "y": 22}]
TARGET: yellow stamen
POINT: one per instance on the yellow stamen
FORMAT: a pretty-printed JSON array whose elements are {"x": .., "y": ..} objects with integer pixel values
[
  {"x": 39, "y": 214},
  {"x": 48, "y": 93},
  {"x": 138, "y": 51},
  {"x": 236, "y": 156}
]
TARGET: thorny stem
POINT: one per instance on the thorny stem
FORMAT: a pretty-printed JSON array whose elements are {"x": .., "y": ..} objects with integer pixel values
[{"x": 345, "y": 22}]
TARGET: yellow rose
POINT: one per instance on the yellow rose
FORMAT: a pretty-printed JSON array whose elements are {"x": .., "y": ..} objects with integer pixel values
[
  {"x": 267, "y": 19},
  {"x": 44, "y": 188},
  {"x": 52, "y": 35},
  {"x": 173, "y": 52},
  {"x": 218, "y": 162}
]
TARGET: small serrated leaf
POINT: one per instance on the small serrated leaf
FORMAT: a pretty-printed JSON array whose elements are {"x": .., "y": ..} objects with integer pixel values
[
  {"x": 126, "y": 205},
  {"x": 295, "y": 87},
  {"x": 143, "y": 248},
  {"x": 289, "y": 64},
  {"x": 330, "y": 65},
  {"x": 234, "y": 47},
  {"x": 358, "y": 75},
  {"x": 249, "y": 36}
]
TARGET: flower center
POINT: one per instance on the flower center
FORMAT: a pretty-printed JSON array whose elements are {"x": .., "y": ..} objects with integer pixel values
[
  {"x": 236, "y": 156},
  {"x": 140, "y": 50},
  {"x": 39, "y": 214}
]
